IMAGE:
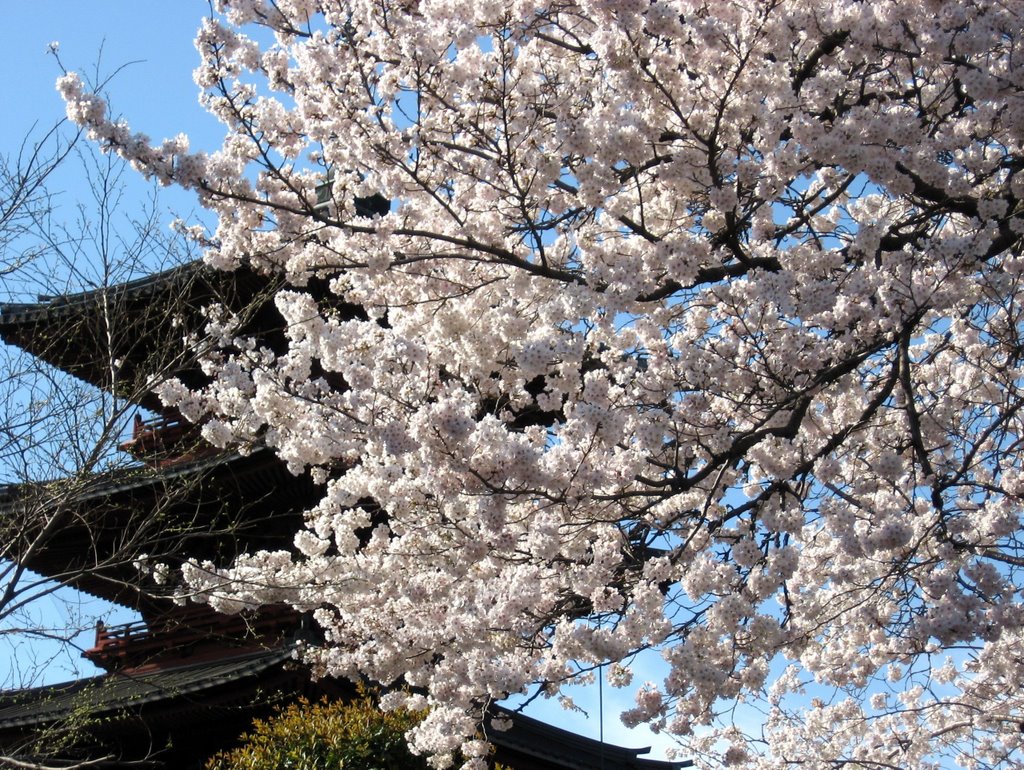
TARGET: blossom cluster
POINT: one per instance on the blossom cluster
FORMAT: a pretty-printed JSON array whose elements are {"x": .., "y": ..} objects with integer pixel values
[{"x": 691, "y": 326}]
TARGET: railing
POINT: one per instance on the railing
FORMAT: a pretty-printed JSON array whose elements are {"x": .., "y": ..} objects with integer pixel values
[
  {"x": 165, "y": 440},
  {"x": 113, "y": 643},
  {"x": 132, "y": 644}
]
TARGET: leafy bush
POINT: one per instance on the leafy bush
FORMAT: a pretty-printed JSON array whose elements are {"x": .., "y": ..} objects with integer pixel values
[{"x": 353, "y": 735}]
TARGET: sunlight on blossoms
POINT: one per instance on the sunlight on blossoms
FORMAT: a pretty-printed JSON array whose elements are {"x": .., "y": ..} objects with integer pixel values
[{"x": 612, "y": 327}]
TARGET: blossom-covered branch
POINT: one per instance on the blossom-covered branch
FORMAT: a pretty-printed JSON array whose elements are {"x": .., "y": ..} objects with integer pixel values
[{"x": 690, "y": 326}]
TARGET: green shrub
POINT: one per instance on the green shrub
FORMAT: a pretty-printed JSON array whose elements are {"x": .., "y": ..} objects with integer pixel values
[{"x": 353, "y": 735}]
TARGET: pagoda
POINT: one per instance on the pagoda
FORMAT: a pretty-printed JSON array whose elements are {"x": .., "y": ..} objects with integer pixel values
[{"x": 183, "y": 681}]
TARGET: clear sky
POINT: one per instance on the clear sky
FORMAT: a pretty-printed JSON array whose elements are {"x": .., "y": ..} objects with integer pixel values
[{"x": 148, "y": 44}]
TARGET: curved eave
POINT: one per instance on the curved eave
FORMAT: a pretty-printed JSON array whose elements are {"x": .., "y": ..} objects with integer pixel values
[
  {"x": 129, "y": 337},
  {"x": 211, "y": 508},
  {"x": 111, "y": 694},
  {"x": 531, "y": 743}
]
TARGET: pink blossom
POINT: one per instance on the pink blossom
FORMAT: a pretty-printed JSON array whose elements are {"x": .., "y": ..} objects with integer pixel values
[{"x": 689, "y": 326}]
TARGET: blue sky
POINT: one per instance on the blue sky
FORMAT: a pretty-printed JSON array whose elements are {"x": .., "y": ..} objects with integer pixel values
[
  {"x": 151, "y": 43},
  {"x": 149, "y": 46}
]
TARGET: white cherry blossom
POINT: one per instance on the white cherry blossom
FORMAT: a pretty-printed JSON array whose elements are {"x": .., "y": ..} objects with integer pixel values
[{"x": 689, "y": 326}]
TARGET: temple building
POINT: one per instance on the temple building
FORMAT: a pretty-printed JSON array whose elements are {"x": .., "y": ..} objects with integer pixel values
[{"x": 183, "y": 681}]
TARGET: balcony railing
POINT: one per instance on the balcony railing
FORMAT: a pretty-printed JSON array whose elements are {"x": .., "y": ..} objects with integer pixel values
[
  {"x": 181, "y": 632},
  {"x": 165, "y": 440},
  {"x": 113, "y": 643}
]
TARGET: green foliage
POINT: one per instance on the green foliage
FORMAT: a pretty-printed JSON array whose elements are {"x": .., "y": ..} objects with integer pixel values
[{"x": 326, "y": 736}]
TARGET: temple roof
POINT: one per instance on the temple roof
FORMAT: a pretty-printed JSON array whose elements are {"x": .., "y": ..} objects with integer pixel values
[
  {"x": 171, "y": 695},
  {"x": 169, "y": 718},
  {"x": 531, "y": 743},
  {"x": 128, "y": 337},
  {"x": 114, "y": 693},
  {"x": 209, "y": 508}
]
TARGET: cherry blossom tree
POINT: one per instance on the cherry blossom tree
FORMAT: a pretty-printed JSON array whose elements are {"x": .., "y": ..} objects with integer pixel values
[{"x": 690, "y": 326}]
